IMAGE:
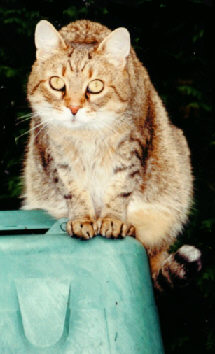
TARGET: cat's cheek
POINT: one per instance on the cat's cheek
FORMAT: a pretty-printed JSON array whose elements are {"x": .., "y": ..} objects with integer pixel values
[{"x": 84, "y": 116}]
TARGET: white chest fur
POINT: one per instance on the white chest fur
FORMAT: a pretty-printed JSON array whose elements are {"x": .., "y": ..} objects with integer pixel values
[
  {"x": 90, "y": 162},
  {"x": 90, "y": 159},
  {"x": 96, "y": 162}
]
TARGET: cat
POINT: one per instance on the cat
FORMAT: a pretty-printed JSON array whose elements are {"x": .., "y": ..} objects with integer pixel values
[{"x": 102, "y": 150}]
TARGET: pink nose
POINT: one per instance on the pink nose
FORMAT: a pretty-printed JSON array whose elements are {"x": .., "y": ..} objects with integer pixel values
[{"x": 74, "y": 109}]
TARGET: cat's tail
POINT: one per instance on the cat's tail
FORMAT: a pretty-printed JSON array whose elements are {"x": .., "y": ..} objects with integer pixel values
[{"x": 179, "y": 268}]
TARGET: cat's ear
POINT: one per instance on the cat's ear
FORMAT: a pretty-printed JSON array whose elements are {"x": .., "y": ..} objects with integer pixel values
[
  {"x": 47, "y": 40},
  {"x": 116, "y": 46}
]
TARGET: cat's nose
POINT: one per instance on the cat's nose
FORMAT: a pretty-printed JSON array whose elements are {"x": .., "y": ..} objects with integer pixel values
[{"x": 74, "y": 109}]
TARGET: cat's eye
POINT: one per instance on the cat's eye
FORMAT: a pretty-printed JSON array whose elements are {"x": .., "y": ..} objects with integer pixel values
[
  {"x": 95, "y": 86},
  {"x": 57, "y": 83}
]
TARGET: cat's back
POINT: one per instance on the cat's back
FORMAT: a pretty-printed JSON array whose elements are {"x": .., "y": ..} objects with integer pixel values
[
  {"x": 84, "y": 31},
  {"x": 181, "y": 142}
]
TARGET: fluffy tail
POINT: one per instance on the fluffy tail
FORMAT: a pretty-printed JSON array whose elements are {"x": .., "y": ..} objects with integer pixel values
[{"x": 178, "y": 268}]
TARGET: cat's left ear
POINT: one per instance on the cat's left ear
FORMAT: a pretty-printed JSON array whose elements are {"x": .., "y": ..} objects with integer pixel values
[
  {"x": 47, "y": 39},
  {"x": 116, "y": 46}
]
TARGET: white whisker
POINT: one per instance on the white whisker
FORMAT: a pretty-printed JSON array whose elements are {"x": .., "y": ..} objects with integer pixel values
[
  {"x": 24, "y": 118},
  {"x": 28, "y": 131},
  {"x": 44, "y": 126}
]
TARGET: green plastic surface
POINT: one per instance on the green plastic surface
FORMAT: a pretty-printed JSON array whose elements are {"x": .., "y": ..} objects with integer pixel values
[
  {"x": 62, "y": 295},
  {"x": 25, "y": 219}
]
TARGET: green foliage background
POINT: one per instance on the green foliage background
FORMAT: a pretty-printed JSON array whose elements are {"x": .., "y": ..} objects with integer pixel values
[{"x": 172, "y": 39}]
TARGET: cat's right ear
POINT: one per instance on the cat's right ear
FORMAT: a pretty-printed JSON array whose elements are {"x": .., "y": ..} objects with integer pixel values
[{"x": 47, "y": 40}]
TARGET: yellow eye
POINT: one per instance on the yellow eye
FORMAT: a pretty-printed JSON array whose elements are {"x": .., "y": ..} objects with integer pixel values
[
  {"x": 95, "y": 86},
  {"x": 57, "y": 83}
]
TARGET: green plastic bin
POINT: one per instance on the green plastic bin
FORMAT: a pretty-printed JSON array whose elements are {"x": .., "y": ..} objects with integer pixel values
[{"x": 62, "y": 295}]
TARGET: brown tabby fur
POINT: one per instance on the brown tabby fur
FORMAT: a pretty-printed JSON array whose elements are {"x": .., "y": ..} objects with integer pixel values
[{"x": 131, "y": 168}]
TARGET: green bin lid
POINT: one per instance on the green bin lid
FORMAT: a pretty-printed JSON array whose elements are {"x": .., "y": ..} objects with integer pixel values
[{"x": 62, "y": 295}]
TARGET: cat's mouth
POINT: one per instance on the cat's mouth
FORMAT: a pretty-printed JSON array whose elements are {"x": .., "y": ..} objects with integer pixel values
[{"x": 74, "y": 118}]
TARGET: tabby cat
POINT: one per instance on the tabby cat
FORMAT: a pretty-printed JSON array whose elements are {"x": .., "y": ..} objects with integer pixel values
[{"x": 102, "y": 150}]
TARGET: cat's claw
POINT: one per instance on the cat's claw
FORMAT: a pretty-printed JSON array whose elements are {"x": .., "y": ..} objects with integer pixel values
[
  {"x": 114, "y": 228},
  {"x": 83, "y": 229}
]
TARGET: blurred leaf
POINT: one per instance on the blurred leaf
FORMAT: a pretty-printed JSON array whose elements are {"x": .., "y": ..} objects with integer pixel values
[
  {"x": 14, "y": 186},
  {"x": 208, "y": 224},
  {"x": 71, "y": 12},
  {"x": 210, "y": 343},
  {"x": 190, "y": 91},
  {"x": 8, "y": 72}
]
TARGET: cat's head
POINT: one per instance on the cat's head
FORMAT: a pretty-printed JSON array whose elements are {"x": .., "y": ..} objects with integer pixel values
[{"x": 81, "y": 85}]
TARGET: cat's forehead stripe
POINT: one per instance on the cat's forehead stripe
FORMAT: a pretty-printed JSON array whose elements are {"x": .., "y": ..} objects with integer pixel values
[
  {"x": 79, "y": 59},
  {"x": 69, "y": 65},
  {"x": 63, "y": 70}
]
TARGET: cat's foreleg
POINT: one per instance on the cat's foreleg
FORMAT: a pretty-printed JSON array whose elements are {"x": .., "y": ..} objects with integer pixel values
[
  {"x": 124, "y": 180},
  {"x": 111, "y": 227},
  {"x": 82, "y": 223},
  {"x": 113, "y": 222}
]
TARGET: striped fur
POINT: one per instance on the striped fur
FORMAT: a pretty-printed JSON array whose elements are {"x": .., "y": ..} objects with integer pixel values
[{"x": 118, "y": 165}]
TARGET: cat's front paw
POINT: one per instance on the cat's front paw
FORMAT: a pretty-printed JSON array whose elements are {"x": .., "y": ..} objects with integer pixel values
[
  {"x": 84, "y": 229},
  {"x": 114, "y": 228}
]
